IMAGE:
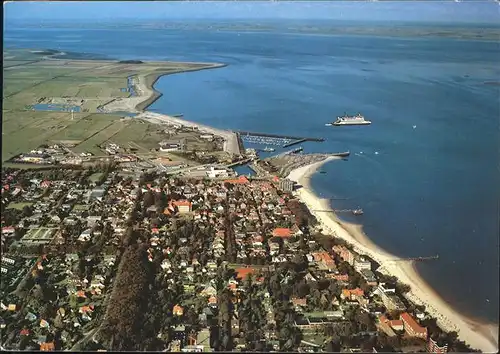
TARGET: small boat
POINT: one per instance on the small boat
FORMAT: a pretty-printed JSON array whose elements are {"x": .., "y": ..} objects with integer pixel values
[
  {"x": 268, "y": 149},
  {"x": 322, "y": 172},
  {"x": 414, "y": 126},
  {"x": 358, "y": 211}
]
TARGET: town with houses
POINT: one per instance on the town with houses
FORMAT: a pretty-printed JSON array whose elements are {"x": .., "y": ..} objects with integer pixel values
[{"x": 113, "y": 256}]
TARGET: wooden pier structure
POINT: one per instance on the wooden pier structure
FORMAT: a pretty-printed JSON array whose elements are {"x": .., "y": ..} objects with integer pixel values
[
  {"x": 425, "y": 258},
  {"x": 336, "y": 210}
]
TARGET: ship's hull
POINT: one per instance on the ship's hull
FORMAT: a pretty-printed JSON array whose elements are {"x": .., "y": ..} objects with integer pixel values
[{"x": 366, "y": 122}]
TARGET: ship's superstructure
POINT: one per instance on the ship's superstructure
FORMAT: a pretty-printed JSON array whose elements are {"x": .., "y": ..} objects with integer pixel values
[{"x": 351, "y": 120}]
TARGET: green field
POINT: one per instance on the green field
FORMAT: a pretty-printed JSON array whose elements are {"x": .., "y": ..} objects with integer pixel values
[
  {"x": 23, "y": 131},
  {"x": 18, "y": 206},
  {"x": 31, "y": 78},
  {"x": 95, "y": 177},
  {"x": 92, "y": 143}
]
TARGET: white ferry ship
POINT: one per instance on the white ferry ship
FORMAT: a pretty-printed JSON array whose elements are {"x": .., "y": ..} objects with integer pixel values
[{"x": 350, "y": 120}]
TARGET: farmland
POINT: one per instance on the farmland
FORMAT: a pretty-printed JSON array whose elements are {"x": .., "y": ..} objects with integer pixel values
[{"x": 34, "y": 80}]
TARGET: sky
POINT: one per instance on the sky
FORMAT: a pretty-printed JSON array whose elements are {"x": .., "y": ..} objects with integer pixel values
[{"x": 439, "y": 11}]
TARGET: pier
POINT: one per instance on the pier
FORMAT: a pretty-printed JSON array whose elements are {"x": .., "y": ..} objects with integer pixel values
[
  {"x": 337, "y": 210},
  {"x": 240, "y": 142},
  {"x": 289, "y": 152},
  {"x": 426, "y": 258},
  {"x": 274, "y": 139},
  {"x": 294, "y": 143}
]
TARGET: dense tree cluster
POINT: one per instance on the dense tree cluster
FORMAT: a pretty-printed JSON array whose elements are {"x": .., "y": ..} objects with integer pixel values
[
  {"x": 252, "y": 316},
  {"x": 124, "y": 317},
  {"x": 302, "y": 214}
]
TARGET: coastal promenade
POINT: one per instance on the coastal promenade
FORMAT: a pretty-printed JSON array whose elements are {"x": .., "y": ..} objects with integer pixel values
[{"x": 476, "y": 334}]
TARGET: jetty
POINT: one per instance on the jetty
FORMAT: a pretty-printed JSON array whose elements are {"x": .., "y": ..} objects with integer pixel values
[
  {"x": 294, "y": 143},
  {"x": 425, "y": 258},
  {"x": 274, "y": 139}
]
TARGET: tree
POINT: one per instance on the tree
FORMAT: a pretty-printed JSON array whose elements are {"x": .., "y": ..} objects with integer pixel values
[
  {"x": 303, "y": 290},
  {"x": 333, "y": 347},
  {"x": 148, "y": 199},
  {"x": 27, "y": 211}
]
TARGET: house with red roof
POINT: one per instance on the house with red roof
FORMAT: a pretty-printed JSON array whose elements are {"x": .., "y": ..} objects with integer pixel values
[
  {"x": 396, "y": 325},
  {"x": 324, "y": 258},
  {"x": 47, "y": 347},
  {"x": 411, "y": 327},
  {"x": 184, "y": 206},
  {"x": 8, "y": 230},
  {"x": 86, "y": 309},
  {"x": 178, "y": 310},
  {"x": 338, "y": 277},
  {"x": 242, "y": 273},
  {"x": 383, "y": 324},
  {"x": 299, "y": 302},
  {"x": 212, "y": 300},
  {"x": 282, "y": 232},
  {"x": 354, "y": 294},
  {"x": 239, "y": 180}
]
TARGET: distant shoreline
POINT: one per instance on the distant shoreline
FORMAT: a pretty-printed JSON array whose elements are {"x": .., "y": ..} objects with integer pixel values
[{"x": 474, "y": 333}]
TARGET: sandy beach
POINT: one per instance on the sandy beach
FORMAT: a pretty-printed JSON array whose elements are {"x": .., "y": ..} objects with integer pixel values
[{"x": 477, "y": 335}]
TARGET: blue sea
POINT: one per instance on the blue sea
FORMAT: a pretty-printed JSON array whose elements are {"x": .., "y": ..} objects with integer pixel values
[{"x": 432, "y": 189}]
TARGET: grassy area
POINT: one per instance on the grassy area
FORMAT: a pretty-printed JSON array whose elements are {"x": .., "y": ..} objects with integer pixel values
[
  {"x": 18, "y": 206},
  {"x": 92, "y": 143},
  {"x": 25, "y": 131},
  {"x": 25, "y": 166},
  {"x": 95, "y": 177},
  {"x": 84, "y": 128},
  {"x": 29, "y": 79},
  {"x": 14, "y": 85},
  {"x": 312, "y": 337}
]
